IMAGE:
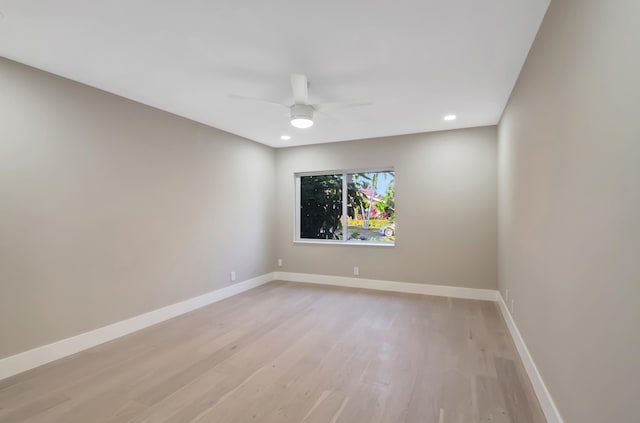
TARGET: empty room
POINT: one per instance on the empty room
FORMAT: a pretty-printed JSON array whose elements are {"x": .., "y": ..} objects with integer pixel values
[{"x": 330, "y": 212}]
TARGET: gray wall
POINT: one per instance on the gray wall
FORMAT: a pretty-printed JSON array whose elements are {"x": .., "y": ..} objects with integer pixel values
[
  {"x": 569, "y": 158},
  {"x": 109, "y": 208},
  {"x": 446, "y": 200}
]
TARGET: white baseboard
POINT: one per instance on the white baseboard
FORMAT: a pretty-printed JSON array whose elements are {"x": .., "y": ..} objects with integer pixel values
[
  {"x": 47, "y": 353},
  {"x": 546, "y": 402},
  {"x": 406, "y": 287}
]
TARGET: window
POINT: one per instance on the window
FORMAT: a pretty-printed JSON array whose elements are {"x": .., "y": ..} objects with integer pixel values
[{"x": 355, "y": 207}]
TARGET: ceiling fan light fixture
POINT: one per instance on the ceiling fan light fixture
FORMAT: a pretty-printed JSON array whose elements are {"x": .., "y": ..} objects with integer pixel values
[
  {"x": 302, "y": 116},
  {"x": 302, "y": 123}
]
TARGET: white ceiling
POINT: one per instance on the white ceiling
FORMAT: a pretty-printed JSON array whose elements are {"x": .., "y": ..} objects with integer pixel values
[{"x": 416, "y": 60}]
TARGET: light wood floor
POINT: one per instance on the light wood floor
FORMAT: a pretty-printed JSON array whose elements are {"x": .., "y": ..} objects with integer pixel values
[{"x": 294, "y": 353}]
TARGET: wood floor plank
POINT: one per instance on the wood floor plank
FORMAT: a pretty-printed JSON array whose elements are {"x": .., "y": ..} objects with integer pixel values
[
  {"x": 514, "y": 392},
  {"x": 490, "y": 406},
  {"x": 291, "y": 353},
  {"x": 35, "y": 408}
]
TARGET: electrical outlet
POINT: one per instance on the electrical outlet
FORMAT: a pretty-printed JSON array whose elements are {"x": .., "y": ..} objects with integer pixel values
[
  {"x": 506, "y": 294},
  {"x": 512, "y": 304},
  {"x": 356, "y": 271},
  {"x": 279, "y": 262},
  {"x": 233, "y": 276}
]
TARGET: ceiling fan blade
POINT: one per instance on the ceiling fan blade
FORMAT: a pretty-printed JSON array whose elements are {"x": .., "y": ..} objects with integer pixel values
[
  {"x": 300, "y": 87},
  {"x": 325, "y": 116},
  {"x": 341, "y": 105},
  {"x": 257, "y": 100}
]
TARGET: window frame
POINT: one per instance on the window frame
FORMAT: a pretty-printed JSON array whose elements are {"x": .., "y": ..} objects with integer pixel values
[{"x": 345, "y": 194}]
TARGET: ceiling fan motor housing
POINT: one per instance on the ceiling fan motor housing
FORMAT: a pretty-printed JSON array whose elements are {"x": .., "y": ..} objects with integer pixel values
[{"x": 301, "y": 111}]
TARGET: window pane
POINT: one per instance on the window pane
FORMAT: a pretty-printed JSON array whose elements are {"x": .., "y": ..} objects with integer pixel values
[
  {"x": 321, "y": 207},
  {"x": 371, "y": 207}
]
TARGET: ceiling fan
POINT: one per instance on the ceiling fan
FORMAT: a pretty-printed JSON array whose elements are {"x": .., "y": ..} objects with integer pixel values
[{"x": 301, "y": 111}]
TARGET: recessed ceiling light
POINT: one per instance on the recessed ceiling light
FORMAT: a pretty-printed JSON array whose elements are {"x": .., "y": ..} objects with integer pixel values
[
  {"x": 450, "y": 117},
  {"x": 285, "y": 137}
]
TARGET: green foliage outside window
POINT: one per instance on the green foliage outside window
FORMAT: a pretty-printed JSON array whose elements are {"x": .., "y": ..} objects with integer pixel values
[{"x": 321, "y": 207}]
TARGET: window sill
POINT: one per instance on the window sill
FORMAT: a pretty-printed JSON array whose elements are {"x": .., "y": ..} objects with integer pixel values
[{"x": 348, "y": 243}]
